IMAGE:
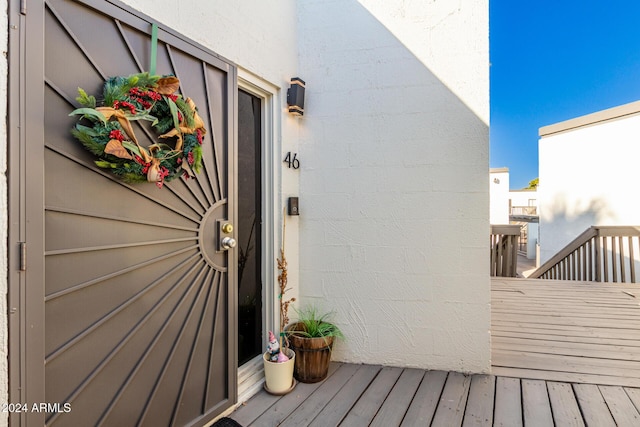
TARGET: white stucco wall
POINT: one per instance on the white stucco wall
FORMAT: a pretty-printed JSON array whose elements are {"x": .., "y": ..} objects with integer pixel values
[
  {"x": 499, "y": 196},
  {"x": 394, "y": 145},
  {"x": 258, "y": 36},
  {"x": 588, "y": 175},
  {"x": 523, "y": 197}
]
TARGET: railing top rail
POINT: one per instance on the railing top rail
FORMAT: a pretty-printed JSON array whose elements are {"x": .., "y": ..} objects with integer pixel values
[
  {"x": 586, "y": 235},
  {"x": 593, "y": 231},
  {"x": 617, "y": 230},
  {"x": 510, "y": 229}
]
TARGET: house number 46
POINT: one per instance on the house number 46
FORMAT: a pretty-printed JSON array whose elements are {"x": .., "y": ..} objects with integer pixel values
[{"x": 292, "y": 160}]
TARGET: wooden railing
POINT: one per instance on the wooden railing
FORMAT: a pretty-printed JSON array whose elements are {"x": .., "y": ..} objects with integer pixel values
[
  {"x": 600, "y": 254},
  {"x": 504, "y": 250}
]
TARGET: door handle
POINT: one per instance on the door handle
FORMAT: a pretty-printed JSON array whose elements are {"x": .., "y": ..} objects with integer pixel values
[{"x": 228, "y": 243}]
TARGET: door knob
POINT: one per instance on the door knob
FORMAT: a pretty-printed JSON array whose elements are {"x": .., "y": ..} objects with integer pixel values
[{"x": 228, "y": 243}]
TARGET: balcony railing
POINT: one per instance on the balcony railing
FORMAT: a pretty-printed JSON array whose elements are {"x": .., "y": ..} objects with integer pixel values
[
  {"x": 600, "y": 254},
  {"x": 504, "y": 250},
  {"x": 524, "y": 210}
]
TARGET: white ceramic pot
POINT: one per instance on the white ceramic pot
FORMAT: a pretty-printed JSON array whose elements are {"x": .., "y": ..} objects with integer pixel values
[{"x": 279, "y": 376}]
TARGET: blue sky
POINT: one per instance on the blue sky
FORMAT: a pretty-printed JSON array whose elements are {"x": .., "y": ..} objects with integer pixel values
[{"x": 552, "y": 61}]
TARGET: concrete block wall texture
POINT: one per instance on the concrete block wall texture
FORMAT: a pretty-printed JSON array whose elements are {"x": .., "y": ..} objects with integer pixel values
[
  {"x": 588, "y": 175},
  {"x": 394, "y": 189}
]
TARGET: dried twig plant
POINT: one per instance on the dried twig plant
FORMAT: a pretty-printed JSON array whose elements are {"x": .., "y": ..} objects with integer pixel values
[{"x": 282, "y": 282}]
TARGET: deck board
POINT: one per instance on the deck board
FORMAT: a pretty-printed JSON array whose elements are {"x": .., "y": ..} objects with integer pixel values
[
  {"x": 397, "y": 402},
  {"x": 508, "y": 403},
  {"x": 348, "y": 395},
  {"x": 307, "y": 411},
  {"x": 479, "y": 410},
  {"x": 564, "y": 404},
  {"x": 621, "y": 406},
  {"x": 563, "y": 353},
  {"x": 425, "y": 402},
  {"x": 536, "y": 407},
  {"x": 583, "y": 332},
  {"x": 372, "y": 399},
  {"x": 450, "y": 411},
  {"x": 592, "y": 405}
]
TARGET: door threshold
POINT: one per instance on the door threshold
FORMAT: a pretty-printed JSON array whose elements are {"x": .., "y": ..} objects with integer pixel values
[{"x": 250, "y": 378}]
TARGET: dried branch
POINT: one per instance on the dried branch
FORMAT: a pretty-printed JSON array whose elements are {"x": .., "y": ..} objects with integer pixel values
[{"x": 282, "y": 281}]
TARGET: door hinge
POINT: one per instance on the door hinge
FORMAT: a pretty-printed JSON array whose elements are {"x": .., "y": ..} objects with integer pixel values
[
  {"x": 23, "y": 256},
  {"x": 23, "y": 7}
]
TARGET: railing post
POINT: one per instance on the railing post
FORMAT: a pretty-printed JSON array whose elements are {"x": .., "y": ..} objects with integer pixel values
[{"x": 504, "y": 250}]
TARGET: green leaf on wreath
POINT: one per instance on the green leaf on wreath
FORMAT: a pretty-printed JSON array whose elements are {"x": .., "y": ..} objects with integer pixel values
[
  {"x": 174, "y": 112},
  {"x": 86, "y": 100},
  {"x": 89, "y": 112},
  {"x": 149, "y": 117},
  {"x": 88, "y": 141},
  {"x": 133, "y": 177},
  {"x": 86, "y": 130},
  {"x": 197, "y": 158},
  {"x": 186, "y": 112},
  {"x": 106, "y": 165},
  {"x": 132, "y": 147}
]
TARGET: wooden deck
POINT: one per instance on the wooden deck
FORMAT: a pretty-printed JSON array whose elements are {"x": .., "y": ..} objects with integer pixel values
[
  {"x": 581, "y": 332},
  {"x": 563, "y": 354}
]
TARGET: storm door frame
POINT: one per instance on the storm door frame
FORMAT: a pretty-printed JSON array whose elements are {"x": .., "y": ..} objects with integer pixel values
[{"x": 250, "y": 374}]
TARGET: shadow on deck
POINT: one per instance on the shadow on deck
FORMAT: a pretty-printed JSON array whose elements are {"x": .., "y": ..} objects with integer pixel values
[{"x": 563, "y": 353}]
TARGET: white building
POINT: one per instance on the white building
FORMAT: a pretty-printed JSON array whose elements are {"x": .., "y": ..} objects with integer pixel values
[
  {"x": 587, "y": 174},
  {"x": 499, "y": 195},
  {"x": 514, "y": 207},
  {"x": 395, "y": 127}
]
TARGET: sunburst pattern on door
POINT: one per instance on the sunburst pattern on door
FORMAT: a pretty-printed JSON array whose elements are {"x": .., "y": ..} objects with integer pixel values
[{"x": 137, "y": 293}]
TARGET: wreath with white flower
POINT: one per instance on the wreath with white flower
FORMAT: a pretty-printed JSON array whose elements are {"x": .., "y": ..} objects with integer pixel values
[{"x": 110, "y": 136}]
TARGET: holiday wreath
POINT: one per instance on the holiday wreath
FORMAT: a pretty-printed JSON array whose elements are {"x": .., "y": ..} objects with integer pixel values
[{"x": 178, "y": 151}]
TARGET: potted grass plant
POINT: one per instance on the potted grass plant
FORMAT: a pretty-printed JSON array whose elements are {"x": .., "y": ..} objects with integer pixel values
[{"x": 311, "y": 337}]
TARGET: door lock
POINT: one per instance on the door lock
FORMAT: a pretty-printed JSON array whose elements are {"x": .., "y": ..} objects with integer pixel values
[{"x": 224, "y": 237}]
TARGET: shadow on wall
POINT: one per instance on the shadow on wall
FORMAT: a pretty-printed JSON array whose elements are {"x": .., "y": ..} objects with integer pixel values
[
  {"x": 395, "y": 183},
  {"x": 561, "y": 223},
  {"x": 388, "y": 147}
]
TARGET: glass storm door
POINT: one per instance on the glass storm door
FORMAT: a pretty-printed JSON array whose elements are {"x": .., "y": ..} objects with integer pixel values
[{"x": 250, "y": 340}]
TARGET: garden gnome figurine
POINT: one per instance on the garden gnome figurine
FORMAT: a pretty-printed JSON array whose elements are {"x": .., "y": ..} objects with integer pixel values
[{"x": 273, "y": 347}]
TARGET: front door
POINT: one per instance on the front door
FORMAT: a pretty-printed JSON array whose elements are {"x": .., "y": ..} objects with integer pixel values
[{"x": 125, "y": 303}]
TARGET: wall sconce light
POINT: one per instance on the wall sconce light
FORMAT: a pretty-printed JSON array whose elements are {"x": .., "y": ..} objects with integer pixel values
[
  {"x": 496, "y": 180},
  {"x": 295, "y": 96}
]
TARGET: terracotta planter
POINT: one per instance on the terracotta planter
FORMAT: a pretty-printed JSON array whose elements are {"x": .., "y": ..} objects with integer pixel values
[
  {"x": 278, "y": 377},
  {"x": 312, "y": 356}
]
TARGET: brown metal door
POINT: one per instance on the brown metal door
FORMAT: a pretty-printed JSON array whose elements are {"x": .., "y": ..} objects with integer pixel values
[{"x": 137, "y": 304}]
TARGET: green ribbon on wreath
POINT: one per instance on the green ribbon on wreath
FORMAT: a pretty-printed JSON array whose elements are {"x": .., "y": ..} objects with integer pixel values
[{"x": 154, "y": 49}]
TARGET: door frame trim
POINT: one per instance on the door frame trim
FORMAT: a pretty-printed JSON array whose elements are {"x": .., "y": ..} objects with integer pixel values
[
  {"x": 269, "y": 95},
  {"x": 25, "y": 152}
]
